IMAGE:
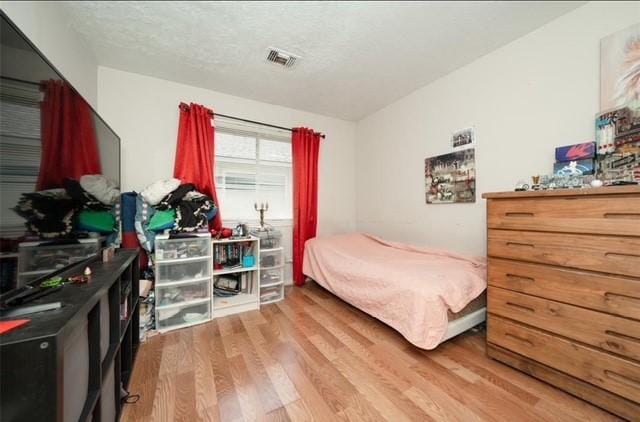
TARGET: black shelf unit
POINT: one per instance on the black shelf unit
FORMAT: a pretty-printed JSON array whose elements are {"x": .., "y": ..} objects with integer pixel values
[{"x": 69, "y": 363}]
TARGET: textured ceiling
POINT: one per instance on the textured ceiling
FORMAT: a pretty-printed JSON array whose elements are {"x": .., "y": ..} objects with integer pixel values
[{"x": 357, "y": 57}]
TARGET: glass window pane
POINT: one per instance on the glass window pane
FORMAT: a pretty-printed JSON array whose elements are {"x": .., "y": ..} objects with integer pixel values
[
  {"x": 234, "y": 146},
  {"x": 275, "y": 151},
  {"x": 241, "y": 182}
]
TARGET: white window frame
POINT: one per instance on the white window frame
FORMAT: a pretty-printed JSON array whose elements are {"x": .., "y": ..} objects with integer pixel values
[{"x": 257, "y": 134}]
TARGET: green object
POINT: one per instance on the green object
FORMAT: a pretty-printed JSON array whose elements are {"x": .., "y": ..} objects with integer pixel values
[
  {"x": 52, "y": 282},
  {"x": 162, "y": 220},
  {"x": 96, "y": 221}
]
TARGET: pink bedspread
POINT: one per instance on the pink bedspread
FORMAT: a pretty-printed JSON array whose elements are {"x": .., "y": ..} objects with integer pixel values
[{"x": 406, "y": 287}]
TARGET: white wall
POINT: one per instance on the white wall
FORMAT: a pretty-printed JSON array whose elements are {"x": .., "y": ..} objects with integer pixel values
[
  {"x": 144, "y": 113},
  {"x": 46, "y": 26},
  {"x": 538, "y": 92}
]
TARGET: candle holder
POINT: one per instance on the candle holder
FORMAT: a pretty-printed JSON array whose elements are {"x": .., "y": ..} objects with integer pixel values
[{"x": 263, "y": 208}]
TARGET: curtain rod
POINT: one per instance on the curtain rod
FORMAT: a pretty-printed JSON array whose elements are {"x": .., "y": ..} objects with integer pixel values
[{"x": 250, "y": 121}]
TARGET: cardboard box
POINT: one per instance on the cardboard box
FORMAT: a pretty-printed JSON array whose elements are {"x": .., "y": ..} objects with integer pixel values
[
  {"x": 575, "y": 152},
  {"x": 575, "y": 168}
]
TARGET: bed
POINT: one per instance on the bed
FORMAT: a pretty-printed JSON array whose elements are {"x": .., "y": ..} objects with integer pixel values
[{"x": 427, "y": 295}]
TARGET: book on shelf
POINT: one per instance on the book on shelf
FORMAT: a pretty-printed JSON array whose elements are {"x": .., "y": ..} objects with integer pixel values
[{"x": 229, "y": 256}]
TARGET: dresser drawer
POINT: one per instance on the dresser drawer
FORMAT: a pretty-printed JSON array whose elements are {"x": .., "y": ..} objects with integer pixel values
[
  {"x": 615, "y": 374},
  {"x": 608, "y": 332},
  {"x": 599, "y": 215},
  {"x": 606, "y": 293},
  {"x": 616, "y": 255}
]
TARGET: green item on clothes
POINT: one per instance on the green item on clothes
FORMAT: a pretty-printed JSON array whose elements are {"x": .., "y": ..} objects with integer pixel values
[{"x": 162, "y": 220}]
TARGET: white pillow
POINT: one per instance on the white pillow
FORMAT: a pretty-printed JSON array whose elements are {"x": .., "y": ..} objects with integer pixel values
[
  {"x": 154, "y": 193},
  {"x": 103, "y": 189}
]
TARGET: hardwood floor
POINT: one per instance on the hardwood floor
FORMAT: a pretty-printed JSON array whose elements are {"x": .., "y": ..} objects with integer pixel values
[{"x": 314, "y": 357}]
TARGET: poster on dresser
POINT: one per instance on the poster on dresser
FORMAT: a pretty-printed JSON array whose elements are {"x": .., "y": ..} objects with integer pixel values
[
  {"x": 620, "y": 69},
  {"x": 451, "y": 178}
]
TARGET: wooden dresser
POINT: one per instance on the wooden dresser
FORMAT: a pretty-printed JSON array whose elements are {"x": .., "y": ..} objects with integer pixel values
[{"x": 564, "y": 290}]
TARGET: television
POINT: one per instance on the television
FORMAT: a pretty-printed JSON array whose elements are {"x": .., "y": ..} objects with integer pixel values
[{"x": 59, "y": 168}]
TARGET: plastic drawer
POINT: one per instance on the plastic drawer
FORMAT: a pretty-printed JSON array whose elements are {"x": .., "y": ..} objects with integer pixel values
[
  {"x": 168, "y": 273},
  {"x": 169, "y": 249},
  {"x": 269, "y": 239},
  {"x": 271, "y": 294},
  {"x": 182, "y": 316},
  {"x": 271, "y": 259},
  {"x": 49, "y": 258},
  {"x": 271, "y": 276},
  {"x": 172, "y": 295}
]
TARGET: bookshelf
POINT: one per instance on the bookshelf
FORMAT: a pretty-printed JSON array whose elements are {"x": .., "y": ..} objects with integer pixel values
[{"x": 228, "y": 269}]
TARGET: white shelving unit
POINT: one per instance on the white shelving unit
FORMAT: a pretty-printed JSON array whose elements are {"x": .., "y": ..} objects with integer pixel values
[
  {"x": 271, "y": 275},
  {"x": 183, "y": 281},
  {"x": 249, "y": 298}
]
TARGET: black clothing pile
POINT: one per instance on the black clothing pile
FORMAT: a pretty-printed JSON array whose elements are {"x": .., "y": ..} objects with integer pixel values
[
  {"x": 193, "y": 209},
  {"x": 49, "y": 213}
]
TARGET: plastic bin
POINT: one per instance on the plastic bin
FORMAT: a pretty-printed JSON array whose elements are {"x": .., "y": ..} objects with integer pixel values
[
  {"x": 172, "y": 295},
  {"x": 271, "y": 259},
  {"x": 178, "y": 272},
  {"x": 175, "y": 316},
  {"x": 269, "y": 239}
]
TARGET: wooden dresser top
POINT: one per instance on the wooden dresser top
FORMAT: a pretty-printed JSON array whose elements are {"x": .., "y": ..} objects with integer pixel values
[{"x": 606, "y": 190}]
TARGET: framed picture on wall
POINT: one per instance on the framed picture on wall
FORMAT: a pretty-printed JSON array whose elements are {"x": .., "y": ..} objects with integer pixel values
[
  {"x": 463, "y": 139},
  {"x": 620, "y": 69},
  {"x": 451, "y": 178}
]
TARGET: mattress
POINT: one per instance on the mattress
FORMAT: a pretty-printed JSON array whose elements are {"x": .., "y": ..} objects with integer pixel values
[{"x": 414, "y": 290}]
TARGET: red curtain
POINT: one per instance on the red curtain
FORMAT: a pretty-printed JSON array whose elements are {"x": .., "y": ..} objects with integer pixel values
[
  {"x": 69, "y": 145},
  {"x": 195, "y": 153},
  {"x": 305, "y": 146}
]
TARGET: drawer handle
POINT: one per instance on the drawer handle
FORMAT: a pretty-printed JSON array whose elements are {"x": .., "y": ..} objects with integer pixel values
[
  {"x": 621, "y": 255},
  {"x": 523, "y": 340},
  {"x": 526, "y": 245},
  {"x": 610, "y": 296},
  {"x": 622, "y": 336},
  {"x": 519, "y": 277},
  {"x": 622, "y": 378},
  {"x": 524, "y": 308},
  {"x": 625, "y": 215},
  {"x": 518, "y": 214}
]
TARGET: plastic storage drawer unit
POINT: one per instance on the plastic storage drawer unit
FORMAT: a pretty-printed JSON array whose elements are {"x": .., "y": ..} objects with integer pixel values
[{"x": 271, "y": 258}]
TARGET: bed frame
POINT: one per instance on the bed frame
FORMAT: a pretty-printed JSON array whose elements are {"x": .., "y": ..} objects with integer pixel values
[
  {"x": 455, "y": 327},
  {"x": 465, "y": 323}
]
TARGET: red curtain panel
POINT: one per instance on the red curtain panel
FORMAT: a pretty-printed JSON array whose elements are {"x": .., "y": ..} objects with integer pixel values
[
  {"x": 305, "y": 146},
  {"x": 195, "y": 153},
  {"x": 69, "y": 144}
]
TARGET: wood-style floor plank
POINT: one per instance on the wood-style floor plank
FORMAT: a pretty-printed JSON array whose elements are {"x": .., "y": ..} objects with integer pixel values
[{"x": 312, "y": 357}]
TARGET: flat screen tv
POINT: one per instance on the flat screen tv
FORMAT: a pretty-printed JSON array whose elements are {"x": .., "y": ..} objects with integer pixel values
[{"x": 59, "y": 168}]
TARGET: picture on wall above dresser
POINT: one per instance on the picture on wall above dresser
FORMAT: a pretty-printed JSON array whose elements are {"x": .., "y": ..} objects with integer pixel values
[
  {"x": 451, "y": 178},
  {"x": 620, "y": 69}
]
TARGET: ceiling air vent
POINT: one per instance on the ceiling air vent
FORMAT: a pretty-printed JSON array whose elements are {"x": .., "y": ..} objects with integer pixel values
[{"x": 281, "y": 57}]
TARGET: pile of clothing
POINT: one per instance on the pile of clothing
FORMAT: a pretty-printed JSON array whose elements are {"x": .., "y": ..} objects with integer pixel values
[
  {"x": 86, "y": 205},
  {"x": 171, "y": 205}
]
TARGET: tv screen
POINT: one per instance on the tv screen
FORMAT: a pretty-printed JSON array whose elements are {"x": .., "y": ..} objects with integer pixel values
[{"x": 59, "y": 168}]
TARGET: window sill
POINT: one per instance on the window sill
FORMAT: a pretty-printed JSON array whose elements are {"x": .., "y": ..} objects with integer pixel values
[{"x": 255, "y": 223}]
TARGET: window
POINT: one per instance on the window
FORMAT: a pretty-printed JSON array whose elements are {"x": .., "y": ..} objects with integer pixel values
[
  {"x": 253, "y": 168},
  {"x": 19, "y": 149}
]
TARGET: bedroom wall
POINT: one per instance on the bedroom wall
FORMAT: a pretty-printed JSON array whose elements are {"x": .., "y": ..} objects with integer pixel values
[
  {"x": 144, "y": 111},
  {"x": 536, "y": 93},
  {"x": 44, "y": 24}
]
